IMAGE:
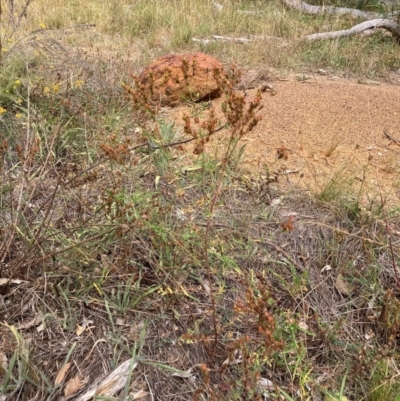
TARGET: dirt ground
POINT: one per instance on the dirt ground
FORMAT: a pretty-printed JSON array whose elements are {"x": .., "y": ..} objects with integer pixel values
[{"x": 332, "y": 129}]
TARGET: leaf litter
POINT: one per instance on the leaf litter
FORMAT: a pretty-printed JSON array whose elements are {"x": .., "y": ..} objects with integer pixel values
[{"x": 314, "y": 228}]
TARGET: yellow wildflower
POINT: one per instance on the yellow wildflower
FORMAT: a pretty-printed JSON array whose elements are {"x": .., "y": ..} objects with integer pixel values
[
  {"x": 18, "y": 115},
  {"x": 79, "y": 83},
  {"x": 42, "y": 26},
  {"x": 17, "y": 82},
  {"x": 166, "y": 291},
  {"x": 56, "y": 88},
  {"x": 19, "y": 101},
  {"x": 2, "y": 110},
  {"x": 46, "y": 90}
]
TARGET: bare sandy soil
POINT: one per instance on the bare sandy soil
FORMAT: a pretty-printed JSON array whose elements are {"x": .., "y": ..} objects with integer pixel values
[{"x": 333, "y": 129}]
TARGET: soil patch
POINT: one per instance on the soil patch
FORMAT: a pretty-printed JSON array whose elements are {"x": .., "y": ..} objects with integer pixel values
[{"x": 332, "y": 129}]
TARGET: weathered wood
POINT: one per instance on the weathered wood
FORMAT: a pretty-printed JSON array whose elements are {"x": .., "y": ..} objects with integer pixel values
[
  {"x": 387, "y": 24},
  {"x": 371, "y": 20},
  {"x": 300, "y": 5}
]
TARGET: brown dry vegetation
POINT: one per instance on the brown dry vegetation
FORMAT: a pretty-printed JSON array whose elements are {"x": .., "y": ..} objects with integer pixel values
[{"x": 215, "y": 278}]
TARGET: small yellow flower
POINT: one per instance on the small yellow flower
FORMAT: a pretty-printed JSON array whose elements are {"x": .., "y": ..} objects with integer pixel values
[
  {"x": 19, "y": 101},
  {"x": 17, "y": 82},
  {"x": 18, "y": 115},
  {"x": 56, "y": 88},
  {"x": 42, "y": 26},
  {"x": 166, "y": 291},
  {"x": 46, "y": 90},
  {"x": 79, "y": 83},
  {"x": 4, "y": 50},
  {"x": 9, "y": 40},
  {"x": 2, "y": 110}
]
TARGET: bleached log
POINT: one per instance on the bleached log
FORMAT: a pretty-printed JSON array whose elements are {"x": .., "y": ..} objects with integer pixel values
[
  {"x": 300, "y": 5},
  {"x": 242, "y": 40},
  {"x": 387, "y": 24}
]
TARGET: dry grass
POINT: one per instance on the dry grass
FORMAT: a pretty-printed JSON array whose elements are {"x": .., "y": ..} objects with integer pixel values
[
  {"x": 147, "y": 30},
  {"x": 103, "y": 254}
]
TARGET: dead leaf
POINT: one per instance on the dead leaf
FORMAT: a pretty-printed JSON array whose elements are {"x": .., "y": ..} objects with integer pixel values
[
  {"x": 81, "y": 328},
  {"x": 184, "y": 373},
  {"x": 234, "y": 359},
  {"x": 326, "y": 268},
  {"x": 111, "y": 383},
  {"x": 303, "y": 326},
  {"x": 4, "y": 281},
  {"x": 34, "y": 322},
  {"x": 207, "y": 288},
  {"x": 140, "y": 394},
  {"x": 61, "y": 374},
  {"x": 74, "y": 384},
  {"x": 265, "y": 384},
  {"x": 343, "y": 286},
  {"x": 276, "y": 202},
  {"x": 3, "y": 361},
  {"x": 41, "y": 327}
]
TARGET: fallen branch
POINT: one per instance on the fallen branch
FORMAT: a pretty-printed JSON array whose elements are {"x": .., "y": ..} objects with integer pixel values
[
  {"x": 241, "y": 40},
  {"x": 300, "y": 5},
  {"x": 371, "y": 22},
  {"x": 387, "y": 24},
  {"x": 369, "y": 26}
]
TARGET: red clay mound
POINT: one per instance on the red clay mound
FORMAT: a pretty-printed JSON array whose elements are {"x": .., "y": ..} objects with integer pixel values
[{"x": 173, "y": 79}]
